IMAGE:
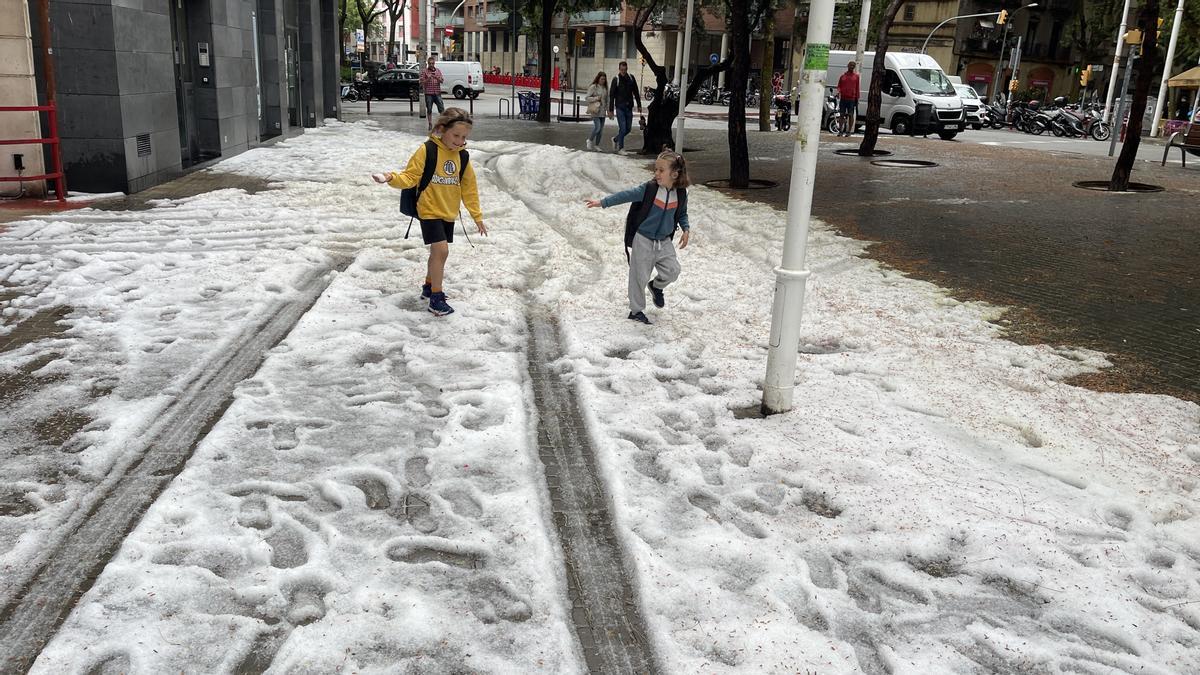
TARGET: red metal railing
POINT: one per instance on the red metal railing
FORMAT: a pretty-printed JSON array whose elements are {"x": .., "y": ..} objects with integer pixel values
[
  {"x": 60, "y": 184},
  {"x": 528, "y": 81}
]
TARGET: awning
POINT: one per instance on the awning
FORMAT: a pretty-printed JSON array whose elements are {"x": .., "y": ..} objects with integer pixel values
[{"x": 1188, "y": 78}]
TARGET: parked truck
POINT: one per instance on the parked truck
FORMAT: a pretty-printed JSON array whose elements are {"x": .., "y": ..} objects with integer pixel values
[{"x": 908, "y": 81}]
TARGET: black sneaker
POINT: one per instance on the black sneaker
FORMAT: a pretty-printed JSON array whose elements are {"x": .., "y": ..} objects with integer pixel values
[
  {"x": 426, "y": 291},
  {"x": 657, "y": 294},
  {"x": 438, "y": 306},
  {"x": 639, "y": 316}
]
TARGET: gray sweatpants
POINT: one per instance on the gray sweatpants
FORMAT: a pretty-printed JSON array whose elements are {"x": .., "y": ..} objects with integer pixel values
[{"x": 646, "y": 256}]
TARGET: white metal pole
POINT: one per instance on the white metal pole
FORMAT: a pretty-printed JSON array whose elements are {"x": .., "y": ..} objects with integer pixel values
[
  {"x": 1162, "y": 88},
  {"x": 864, "y": 18},
  {"x": 791, "y": 277},
  {"x": 724, "y": 51},
  {"x": 1112, "y": 78},
  {"x": 860, "y": 52},
  {"x": 428, "y": 29},
  {"x": 687, "y": 52},
  {"x": 678, "y": 57}
]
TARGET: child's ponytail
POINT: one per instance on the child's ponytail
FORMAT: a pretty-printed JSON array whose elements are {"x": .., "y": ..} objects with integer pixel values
[{"x": 678, "y": 164}]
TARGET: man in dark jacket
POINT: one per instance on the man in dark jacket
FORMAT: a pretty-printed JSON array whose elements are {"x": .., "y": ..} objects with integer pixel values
[{"x": 621, "y": 98}]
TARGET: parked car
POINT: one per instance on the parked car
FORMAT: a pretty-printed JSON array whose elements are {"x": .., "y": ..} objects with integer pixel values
[
  {"x": 972, "y": 105},
  {"x": 397, "y": 83}
]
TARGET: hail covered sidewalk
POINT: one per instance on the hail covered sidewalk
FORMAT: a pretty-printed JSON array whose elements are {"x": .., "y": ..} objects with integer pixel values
[{"x": 233, "y": 439}]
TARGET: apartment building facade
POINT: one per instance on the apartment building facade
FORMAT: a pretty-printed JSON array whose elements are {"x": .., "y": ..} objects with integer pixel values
[{"x": 149, "y": 89}]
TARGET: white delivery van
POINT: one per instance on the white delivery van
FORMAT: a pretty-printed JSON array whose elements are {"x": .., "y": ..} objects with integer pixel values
[
  {"x": 462, "y": 78},
  {"x": 908, "y": 79}
]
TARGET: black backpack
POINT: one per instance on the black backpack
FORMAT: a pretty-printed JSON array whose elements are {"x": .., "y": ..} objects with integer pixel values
[
  {"x": 638, "y": 211},
  {"x": 409, "y": 196}
]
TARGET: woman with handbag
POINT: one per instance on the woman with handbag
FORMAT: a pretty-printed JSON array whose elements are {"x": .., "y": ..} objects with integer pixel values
[{"x": 597, "y": 104}]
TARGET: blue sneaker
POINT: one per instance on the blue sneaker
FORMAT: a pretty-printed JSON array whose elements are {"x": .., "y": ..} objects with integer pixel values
[
  {"x": 426, "y": 291},
  {"x": 438, "y": 306}
]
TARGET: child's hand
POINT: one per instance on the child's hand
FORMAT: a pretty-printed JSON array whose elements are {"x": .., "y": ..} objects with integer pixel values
[
  {"x": 683, "y": 240},
  {"x": 382, "y": 177},
  {"x": 482, "y": 228},
  {"x": 592, "y": 203}
]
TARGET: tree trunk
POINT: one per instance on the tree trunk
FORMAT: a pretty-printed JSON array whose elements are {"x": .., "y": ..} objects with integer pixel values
[
  {"x": 659, "y": 115},
  {"x": 545, "y": 60},
  {"x": 766, "y": 76},
  {"x": 1147, "y": 22},
  {"x": 875, "y": 95},
  {"x": 739, "y": 73}
]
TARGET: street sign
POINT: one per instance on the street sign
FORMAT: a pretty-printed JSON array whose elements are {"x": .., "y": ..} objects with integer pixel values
[
  {"x": 449, "y": 30},
  {"x": 714, "y": 59},
  {"x": 555, "y": 49}
]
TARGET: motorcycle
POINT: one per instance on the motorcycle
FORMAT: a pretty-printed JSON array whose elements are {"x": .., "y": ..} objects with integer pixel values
[
  {"x": 782, "y": 103},
  {"x": 349, "y": 93}
]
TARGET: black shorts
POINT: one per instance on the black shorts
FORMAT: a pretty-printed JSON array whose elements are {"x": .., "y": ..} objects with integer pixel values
[
  {"x": 847, "y": 107},
  {"x": 435, "y": 230}
]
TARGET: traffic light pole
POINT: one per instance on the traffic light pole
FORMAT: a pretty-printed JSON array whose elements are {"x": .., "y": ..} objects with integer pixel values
[
  {"x": 791, "y": 277},
  {"x": 1112, "y": 144},
  {"x": 997, "y": 87}
]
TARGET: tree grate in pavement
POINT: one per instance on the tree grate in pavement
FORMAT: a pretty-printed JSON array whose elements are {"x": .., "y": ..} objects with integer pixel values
[
  {"x": 37, "y": 600},
  {"x": 604, "y": 608}
]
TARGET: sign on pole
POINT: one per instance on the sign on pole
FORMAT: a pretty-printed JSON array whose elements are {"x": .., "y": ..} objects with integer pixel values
[{"x": 714, "y": 59}]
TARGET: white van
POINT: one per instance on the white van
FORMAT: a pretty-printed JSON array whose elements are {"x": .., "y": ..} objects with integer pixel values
[
  {"x": 462, "y": 78},
  {"x": 909, "y": 79}
]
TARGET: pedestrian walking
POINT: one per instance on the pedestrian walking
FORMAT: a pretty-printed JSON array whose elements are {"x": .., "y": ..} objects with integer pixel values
[
  {"x": 430, "y": 80},
  {"x": 597, "y": 103},
  {"x": 848, "y": 91},
  {"x": 657, "y": 208},
  {"x": 449, "y": 180},
  {"x": 622, "y": 97}
]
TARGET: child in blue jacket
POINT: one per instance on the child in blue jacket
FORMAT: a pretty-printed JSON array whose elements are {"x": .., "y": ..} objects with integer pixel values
[{"x": 652, "y": 248}]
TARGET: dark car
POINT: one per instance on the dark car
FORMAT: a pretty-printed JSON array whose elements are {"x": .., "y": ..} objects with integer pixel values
[{"x": 398, "y": 83}]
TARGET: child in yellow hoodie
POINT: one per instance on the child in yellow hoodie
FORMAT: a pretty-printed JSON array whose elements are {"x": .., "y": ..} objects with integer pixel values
[{"x": 437, "y": 206}]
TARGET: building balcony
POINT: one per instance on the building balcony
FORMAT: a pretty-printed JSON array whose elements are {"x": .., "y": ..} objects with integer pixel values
[
  {"x": 443, "y": 21},
  {"x": 604, "y": 17},
  {"x": 498, "y": 16}
]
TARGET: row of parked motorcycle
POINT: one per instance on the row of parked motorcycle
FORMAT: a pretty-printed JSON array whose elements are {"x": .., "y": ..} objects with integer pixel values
[
  {"x": 707, "y": 95},
  {"x": 1063, "y": 119}
]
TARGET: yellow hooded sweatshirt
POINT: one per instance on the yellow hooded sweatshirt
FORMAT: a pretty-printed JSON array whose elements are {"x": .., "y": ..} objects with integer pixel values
[{"x": 441, "y": 198}]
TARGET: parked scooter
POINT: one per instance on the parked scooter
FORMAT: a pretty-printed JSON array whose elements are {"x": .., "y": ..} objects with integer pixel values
[
  {"x": 349, "y": 92},
  {"x": 782, "y": 103}
]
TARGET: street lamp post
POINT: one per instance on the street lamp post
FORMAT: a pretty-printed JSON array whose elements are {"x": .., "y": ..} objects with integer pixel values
[
  {"x": 791, "y": 277},
  {"x": 954, "y": 18}
]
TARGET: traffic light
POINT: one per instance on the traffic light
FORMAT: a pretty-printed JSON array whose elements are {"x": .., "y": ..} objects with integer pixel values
[
  {"x": 1085, "y": 76},
  {"x": 579, "y": 38},
  {"x": 1002, "y": 18},
  {"x": 1158, "y": 34}
]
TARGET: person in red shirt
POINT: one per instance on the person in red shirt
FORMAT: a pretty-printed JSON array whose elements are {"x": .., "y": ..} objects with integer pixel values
[
  {"x": 848, "y": 93},
  {"x": 431, "y": 80}
]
